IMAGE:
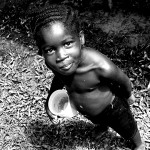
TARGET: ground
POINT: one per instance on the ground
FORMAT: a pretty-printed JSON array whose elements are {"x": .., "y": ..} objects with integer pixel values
[{"x": 25, "y": 81}]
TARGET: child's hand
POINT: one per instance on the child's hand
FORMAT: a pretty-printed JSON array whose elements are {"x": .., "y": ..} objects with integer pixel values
[
  {"x": 131, "y": 99},
  {"x": 51, "y": 116},
  {"x": 53, "y": 119}
]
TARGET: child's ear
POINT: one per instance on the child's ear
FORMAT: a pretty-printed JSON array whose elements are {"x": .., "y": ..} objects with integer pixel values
[{"x": 82, "y": 39}]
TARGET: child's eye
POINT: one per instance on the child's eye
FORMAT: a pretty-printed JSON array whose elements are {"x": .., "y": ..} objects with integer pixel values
[
  {"x": 48, "y": 51},
  {"x": 68, "y": 44}
]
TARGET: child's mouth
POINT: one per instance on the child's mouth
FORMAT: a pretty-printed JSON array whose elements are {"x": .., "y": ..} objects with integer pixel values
[{"x": 66, "y": 67}]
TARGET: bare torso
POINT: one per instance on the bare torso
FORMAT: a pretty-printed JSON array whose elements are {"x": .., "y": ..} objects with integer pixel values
[
  {"x": 89, "y": 95},
  {"x": 87, "y": 91}
]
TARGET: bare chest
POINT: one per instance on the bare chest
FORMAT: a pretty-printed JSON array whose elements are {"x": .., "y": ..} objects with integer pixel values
[
  {"x": 89, "y": 93},
  {"x": 83, "y": 83}
]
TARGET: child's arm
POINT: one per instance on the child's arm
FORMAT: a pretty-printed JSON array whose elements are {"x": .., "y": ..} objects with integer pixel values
[
  {"x": 118, "y": 80},
  {"x": 56, "y": 84}
]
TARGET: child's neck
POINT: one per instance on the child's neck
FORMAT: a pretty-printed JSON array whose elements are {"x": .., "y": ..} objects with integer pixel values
[{"x": 84, "y": 66}]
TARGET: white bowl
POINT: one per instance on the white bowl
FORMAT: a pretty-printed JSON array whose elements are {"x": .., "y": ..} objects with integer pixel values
[{"x": 59, "y": 104}]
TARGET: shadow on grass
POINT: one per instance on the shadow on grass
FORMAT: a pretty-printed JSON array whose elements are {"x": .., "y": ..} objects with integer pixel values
[{"x": 74, "y": 135}]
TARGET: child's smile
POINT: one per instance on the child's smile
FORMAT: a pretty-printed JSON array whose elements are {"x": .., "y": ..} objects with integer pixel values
[
  {"x": 96, "y": 86},
  {"x": 61, "y": 48}
]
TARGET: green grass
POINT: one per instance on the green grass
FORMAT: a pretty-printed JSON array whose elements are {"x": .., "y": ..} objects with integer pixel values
[{"x": 25, "y": 81}]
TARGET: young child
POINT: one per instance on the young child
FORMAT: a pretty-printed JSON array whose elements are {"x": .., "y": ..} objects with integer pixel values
[{"x": 96, "y": 86}]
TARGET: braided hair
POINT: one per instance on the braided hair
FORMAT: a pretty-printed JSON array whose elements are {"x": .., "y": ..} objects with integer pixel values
[{"x": 43, "y": 14}]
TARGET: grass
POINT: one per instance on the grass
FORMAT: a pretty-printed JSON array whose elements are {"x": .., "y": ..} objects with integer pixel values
[{"x": 25, "y": 81}]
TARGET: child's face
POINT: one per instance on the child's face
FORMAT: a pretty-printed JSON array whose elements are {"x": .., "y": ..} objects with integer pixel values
[{"x": 61, "y": 48}]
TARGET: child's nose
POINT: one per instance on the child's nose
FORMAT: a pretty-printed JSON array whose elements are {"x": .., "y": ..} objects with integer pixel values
[{"x": 61, "y": 54}]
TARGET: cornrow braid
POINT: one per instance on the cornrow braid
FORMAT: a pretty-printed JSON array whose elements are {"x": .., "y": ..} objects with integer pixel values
[{"x": 42, "y": 14}]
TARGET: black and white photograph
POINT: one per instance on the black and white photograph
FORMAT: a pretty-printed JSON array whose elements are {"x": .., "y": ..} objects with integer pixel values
[{"x": 74, "y": 75}]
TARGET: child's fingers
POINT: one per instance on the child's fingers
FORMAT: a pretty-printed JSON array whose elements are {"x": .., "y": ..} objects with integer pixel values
[
  {"x": 131, "y": 99},
  {"x": 54, "y": 120}
]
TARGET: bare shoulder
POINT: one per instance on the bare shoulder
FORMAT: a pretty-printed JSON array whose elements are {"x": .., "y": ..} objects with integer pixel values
[
  {"x": 104, "y": 67},
  {"x": 100, "y": 60}
]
